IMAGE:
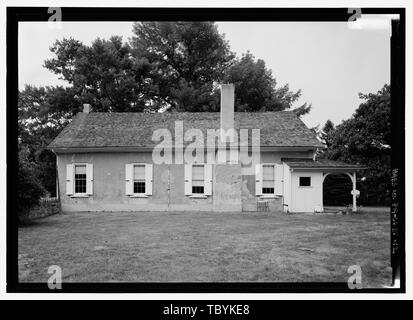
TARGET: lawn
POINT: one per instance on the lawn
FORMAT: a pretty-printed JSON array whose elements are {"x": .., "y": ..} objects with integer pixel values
[{"x": 213, "y": 247}]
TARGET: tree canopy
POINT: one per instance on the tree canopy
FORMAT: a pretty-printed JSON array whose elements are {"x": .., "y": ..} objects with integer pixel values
[
  {"x": 365, "y": 139},
  {"x": 42, "y": 113},
  {"x": 256, "y": 88},
  {"x": 167, "y": 66},
  {"x": 103, "y": 74},
  {"x": 326, "y": 131}
]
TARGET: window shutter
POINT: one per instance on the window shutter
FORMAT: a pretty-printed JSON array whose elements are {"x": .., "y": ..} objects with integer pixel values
[
  {"x": 69, "y": 179},
  {"x": 129, "y": 179},
  {"x": 89, "y": 178},
  {"x": 208, "y": 179},
  {"x": 148, "y": 179},
  {"x": 258, "y": 179},
  {"x": 278, "y": 179},
  {"x": 188, "y": 179}
]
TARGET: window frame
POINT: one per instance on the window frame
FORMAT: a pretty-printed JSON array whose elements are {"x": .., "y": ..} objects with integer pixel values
[
  {"x": 139, "y": 194},
  {"x": 299, "y": 182},
  {"x": 79, "y": 194},
  {"x": 264, "y": 194},
  {"x": 192, "y": 179}
]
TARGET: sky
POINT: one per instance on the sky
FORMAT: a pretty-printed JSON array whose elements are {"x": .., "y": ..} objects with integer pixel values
[{"x": 330, "y": 62}]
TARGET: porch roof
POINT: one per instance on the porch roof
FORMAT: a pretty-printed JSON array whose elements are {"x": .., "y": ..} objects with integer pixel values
[{"x": 321, "y": 164}]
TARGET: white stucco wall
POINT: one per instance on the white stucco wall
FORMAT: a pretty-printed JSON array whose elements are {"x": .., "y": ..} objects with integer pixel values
[{"x": 109, "y": 186}]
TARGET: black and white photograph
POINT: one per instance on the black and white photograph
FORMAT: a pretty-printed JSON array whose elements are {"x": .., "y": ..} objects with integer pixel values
[{"x": 204, "y": 149}]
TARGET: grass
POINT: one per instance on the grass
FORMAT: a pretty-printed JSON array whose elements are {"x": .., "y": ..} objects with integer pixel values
[{"x": 212, "y": 247}]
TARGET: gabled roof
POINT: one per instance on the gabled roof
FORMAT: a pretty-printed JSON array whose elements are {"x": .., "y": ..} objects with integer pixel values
[
  {"x": 101, "y": 130},
  {"x": 319, "y": 164}
]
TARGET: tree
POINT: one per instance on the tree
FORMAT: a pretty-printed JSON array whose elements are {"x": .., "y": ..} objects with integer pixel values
[
  {"x": 303, "y": 109},
  {"x": 365, "y": 139},
  {"x": 104, "y": 74},
  {"x": 186, "y": 57},
  {"x": 326, "y": 132},
  {"x": 29, "y": 187},
  {"x": 42, "y": 113},
  {"x": 167, "y": 66},
  {"x": 256, "y": 88}
]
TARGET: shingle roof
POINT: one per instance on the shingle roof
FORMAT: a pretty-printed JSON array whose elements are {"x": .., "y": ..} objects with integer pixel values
[
  {"x": 319, "y": 163},
  {"x": 91, "y": 130}
]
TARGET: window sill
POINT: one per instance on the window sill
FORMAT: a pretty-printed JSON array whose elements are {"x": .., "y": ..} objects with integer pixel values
[
  {"x": 198, "y": 196},
  {"x": 138, "y": 196},
  {"x": 80, "y": 196},
  {"x": 270, "y": 196}
]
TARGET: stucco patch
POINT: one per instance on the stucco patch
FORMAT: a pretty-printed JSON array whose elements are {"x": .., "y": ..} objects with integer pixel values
[
  {"x": 249, "y": 201},
  {"x": 227, "y": 187}
]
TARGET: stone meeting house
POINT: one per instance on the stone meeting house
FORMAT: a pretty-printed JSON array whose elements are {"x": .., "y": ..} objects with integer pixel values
[{"x": 105, "y": 163}]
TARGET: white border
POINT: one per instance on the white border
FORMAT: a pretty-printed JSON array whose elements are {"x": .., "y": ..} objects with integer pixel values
[{"x": 212, "y": 3}]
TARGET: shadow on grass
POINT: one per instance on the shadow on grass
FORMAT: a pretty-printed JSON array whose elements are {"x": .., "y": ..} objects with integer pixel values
[{"x": 37, "y": 222}]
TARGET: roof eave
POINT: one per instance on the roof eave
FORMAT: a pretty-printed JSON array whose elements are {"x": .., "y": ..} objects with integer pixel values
[
  {"x": 99, "y": 149},
  {"x": 150, "y": 148},
  {"x": 331, "y": 169}
]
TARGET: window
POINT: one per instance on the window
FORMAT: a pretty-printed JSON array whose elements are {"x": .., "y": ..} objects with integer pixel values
[
  {"x": 198, "y": 179},
  {"x": 139, "y": 181},
  {"x": 305, "y": 181},
  {"x": 268, "y": 179},
  {"x": 80, "y": 178}
]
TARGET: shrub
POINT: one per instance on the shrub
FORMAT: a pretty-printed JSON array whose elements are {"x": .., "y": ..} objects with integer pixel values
[{"x": 29, "y": 189}]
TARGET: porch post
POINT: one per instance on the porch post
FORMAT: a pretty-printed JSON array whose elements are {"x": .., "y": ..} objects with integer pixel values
[{"x": 354, "y": 193}]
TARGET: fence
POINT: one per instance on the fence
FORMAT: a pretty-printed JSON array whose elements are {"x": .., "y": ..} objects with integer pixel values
[
  {"x": 47, "y": 206},
  {"x": 47, "y": 200}
]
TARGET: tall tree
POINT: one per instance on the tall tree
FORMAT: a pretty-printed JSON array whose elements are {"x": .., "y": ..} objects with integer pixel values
[
  {"x": 186, "y": 57},
  {"x": 167, "y": 65},
  {"x": 104, "y": 74},
  {"x": 365, "y": 138},
  {"x": 326, "y": 131},
  {"x": 256, "y": 88},
  {"x": 42, "y": 113}
]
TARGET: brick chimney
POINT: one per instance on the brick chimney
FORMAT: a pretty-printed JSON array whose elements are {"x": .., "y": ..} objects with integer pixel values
[
  {"x": 227, "y": 109},
  {"x": 87, "y": 108}
]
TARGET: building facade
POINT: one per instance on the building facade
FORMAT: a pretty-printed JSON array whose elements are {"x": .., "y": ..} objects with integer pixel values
[{"x": 109, "y": 162}]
